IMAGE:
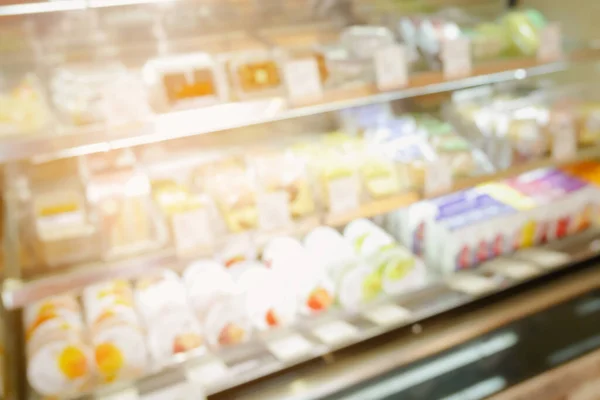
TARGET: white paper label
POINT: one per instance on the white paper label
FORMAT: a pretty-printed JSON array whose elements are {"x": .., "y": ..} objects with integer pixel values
[
  {"x": 274, "y": 211},
  {"x": 192, "y": 230},
  {"x": 387, "y": 314},
  {"x": 456, "y": 58},
  {"x": 290, "y": 347},
  {"x": 564, "y": 143},
  {"x": 335, "y": 332},
  {"x": 391, "y": 67},
  {"x": 471, "y": 284},
  {"x": 126, "y": 394},
  {"x": 516, "y": 270},
  {"x": 344, "y": 194},
  {"x": 550, "y": 43},
  {"x": 438, "y": 178},
  {"x": 303, "y": 80},
  {"x": 182, "y": 391},
  {"x": 206, "y": 372},
  {"x": 544, "y": 258}
]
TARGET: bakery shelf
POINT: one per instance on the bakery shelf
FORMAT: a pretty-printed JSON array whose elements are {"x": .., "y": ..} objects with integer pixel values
[
  {"x": 17, "y": 294},
  {"x": 394, "y": 360},
  {"x": 236, "y": 115},
  {"x": 317, "y": 337}
]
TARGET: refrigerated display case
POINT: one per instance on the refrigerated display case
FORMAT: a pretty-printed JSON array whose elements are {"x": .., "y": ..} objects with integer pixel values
[{"x": 264, "y": 199}]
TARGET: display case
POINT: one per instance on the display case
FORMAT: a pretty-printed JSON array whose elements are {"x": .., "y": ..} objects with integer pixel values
[{"x": 200, "y": 198}]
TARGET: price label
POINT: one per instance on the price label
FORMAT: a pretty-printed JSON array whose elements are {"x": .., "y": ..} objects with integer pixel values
[
  {"x": 290, "y": 347},
  {"x": 192, "y": 231},
  {"x": 456, "y": 58},
  {"x": 564, "y": 139},
  {"x": 547, "y": 259},
  {"x": 176, "y": 392},
  {"x": 438, "y": 178},
  {"x": 550, "y": 43},
  {"x": 335, "y": 332},
  {"x": 387, "y": 314},
  {"x": 471, "y": 284},
  {"x": 344, "y": 194},
  {"x": 391, "y": 68},
  {"x": 126, "y": 394},
  {"x": 517, "y": 270},
  {"x": 303, "y": 81},
  {"x": 205, "y": 373},
  {"x": 274, "y": 211}
]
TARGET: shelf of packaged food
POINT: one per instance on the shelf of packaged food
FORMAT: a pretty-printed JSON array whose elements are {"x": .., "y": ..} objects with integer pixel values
[
  {"x": 315, "y": 337},
  {"x": 17, "y": 293},
  {"x": 421, "y": 361},
  {"x": 180, "y": 124}
]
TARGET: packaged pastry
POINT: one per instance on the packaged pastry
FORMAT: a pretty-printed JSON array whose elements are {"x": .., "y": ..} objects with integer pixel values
[
  {"x": 367, "y": 238},
  {"x": 304, "y": 42},
  {"x": 328, "y": 248},
  {"x": 107, "y": 300},
  {"x": 186, "y": 213},
  {"x": 60, "y": 363},
  {"x": 285, "y": 172},
  {"x": 358, "y": 285},
  {"x": 226, "y": 322},
  {"x": 458, "y": 154},
  {"x": 170, "y": 323},
  {"x": 207, "y": 281},
  {"x": 62, "y": 221},
  {"x": 299, "y": 271},
  {"x": 378, "y": 173},
  {"x": 524, "y": 30},
  {"x": 336, "y": 173},
  {"x": 234, "y": 191},
  {"x": 394, "y": 269},
  {"x": 411, "y": 156},
  {"x": 23, "y": 108},
  {"x": 279, "y": 250},
  {"x": 269, "y": 302},
  {"x": 399, "y": 270},
  {"x": 128, "y": 221},
  {"x": 256, "y": 73},
  {"x": 59, "y": 359},
  {"x": 54, "y": 311},
  {"x": 527, "y": 139},
  {"x": 432, "y": 34},
  {"x": 117, "y": 336},
  {"x": 184, "y": 81},
  {"x": 87, "y": 94}
]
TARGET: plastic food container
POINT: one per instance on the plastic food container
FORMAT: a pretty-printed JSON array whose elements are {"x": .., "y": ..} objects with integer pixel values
[
  {"x": 23, "y": 108},
  {"x": 59, "y": 359},
  {"x": 89, "y": 94},
  {"x": 287, "y": 173},
  {"x": 61, "y": 218},
  {"x": 256, "y": 73},
  {"x": 269, "y": 302},
  {"x": 128, "y": 220},
  {"x": 185, "y": 81},
  {"x": 118, "y": 339},
  {"x": 171, "y": 325}
]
